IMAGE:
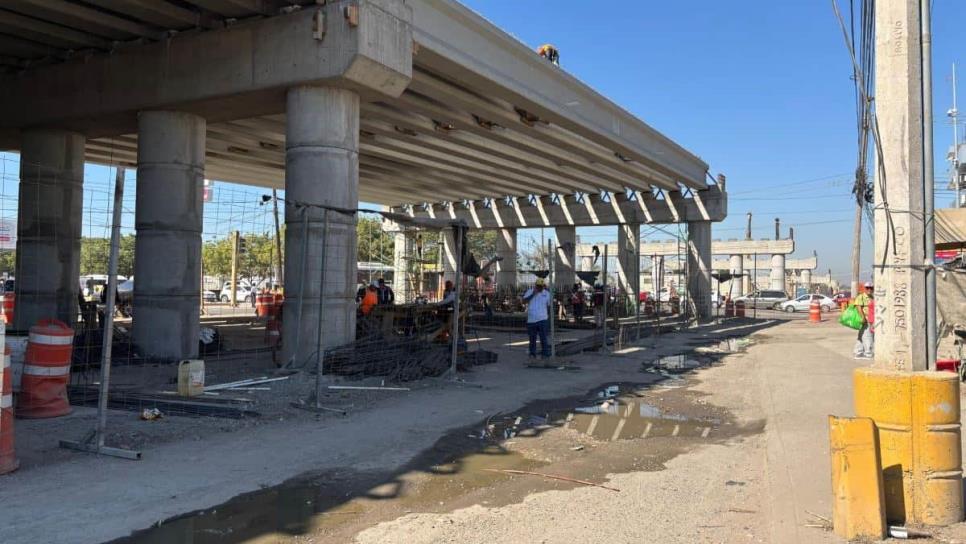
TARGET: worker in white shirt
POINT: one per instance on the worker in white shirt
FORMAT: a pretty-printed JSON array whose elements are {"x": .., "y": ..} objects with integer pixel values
[{"x": 537, "y": 299}]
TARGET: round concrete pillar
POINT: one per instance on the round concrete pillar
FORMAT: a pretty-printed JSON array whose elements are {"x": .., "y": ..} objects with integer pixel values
[
  {"x": 49, "y": 226},
  {"x": 321, "y": 169},
  {"x": 168, "y": 219},
  {"x": 737, "y": 264},
  {"x": 807, "y": 279},
  {"x": 776, "y": 280}
]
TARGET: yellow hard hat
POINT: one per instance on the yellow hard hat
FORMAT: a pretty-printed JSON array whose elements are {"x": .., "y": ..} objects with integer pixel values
[{"x": 540, "y": 281}]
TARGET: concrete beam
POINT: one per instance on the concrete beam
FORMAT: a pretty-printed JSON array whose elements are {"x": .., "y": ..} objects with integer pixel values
[
  {"x": 808, "y": 263},
  {"x": 707, "y": 205},
  {"x": 718, "y": 247},
  {"x": 223, "y": 74},
  {"x": 454, "y": 40}
]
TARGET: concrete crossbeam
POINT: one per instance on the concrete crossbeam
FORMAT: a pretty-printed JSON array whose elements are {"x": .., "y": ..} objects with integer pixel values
[
  {"x": 707, "y": 205},
  {"x": 718, "y": 247},
  {"x": 222, "y": 74}
]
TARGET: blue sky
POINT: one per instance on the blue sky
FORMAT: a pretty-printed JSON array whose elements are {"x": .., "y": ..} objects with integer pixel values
[
  {"x": 760, "y": 89},
  {"x": 762, "y": 92}
]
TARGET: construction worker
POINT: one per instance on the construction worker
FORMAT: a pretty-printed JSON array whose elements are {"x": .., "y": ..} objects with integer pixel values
[
  {"x": 386, "y": 295},
  {"x": 865, "y": 304},
  {"x": 369, "y": 300},
  {"x": 449, "y": 294},
  {"x": 537, "y": 299},
  {"x": 577, "y": 301},
  {"x": 550, "y": 53}
]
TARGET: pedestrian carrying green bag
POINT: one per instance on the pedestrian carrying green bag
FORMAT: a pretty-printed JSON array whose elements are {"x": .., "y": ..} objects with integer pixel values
[{"x": 851, "y": 317}]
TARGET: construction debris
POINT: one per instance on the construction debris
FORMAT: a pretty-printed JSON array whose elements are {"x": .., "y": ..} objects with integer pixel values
[{"x": 243, "y": 383}]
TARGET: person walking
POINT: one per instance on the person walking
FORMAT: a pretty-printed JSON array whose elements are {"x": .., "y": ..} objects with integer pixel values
[
  {"x": 577, "y": 301},
  {"x": 386, "y": 295},
  {"x": 537, "y": 299},
  {"x": 865, "y": 304}
]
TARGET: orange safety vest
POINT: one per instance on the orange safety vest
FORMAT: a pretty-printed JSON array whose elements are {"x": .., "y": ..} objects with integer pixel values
[{"x": 369, "y": 301}]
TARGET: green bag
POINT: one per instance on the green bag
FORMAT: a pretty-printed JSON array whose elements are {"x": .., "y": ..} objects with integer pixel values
[{"x": 851, "y": 317}]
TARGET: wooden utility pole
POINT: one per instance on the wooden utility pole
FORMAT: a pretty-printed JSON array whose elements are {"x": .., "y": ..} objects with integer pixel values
[
  {"x": 234, "y": 268},
  {"x": 900, "y": 284}
]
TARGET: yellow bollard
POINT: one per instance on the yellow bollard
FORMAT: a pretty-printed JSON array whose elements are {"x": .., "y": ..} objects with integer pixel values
[
  {"x": 858, "y": 509},
  {"x": 917, "y": 415}
]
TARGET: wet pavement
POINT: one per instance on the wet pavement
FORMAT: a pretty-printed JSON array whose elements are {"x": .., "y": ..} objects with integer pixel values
[{"x": 614, "y": 428}]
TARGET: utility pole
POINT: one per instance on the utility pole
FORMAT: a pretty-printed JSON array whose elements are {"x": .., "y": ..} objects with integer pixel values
[
  {"x": 278, "y": 243},
  {"x": 234, "y": 267},
  {"x": 954, "y": 116},
  {"x": 900, "y": 286},
  {"x": 928, "y": 184}
]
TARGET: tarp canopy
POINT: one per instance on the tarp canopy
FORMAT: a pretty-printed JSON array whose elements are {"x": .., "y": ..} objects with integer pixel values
[{"x": 951, "y": 228}]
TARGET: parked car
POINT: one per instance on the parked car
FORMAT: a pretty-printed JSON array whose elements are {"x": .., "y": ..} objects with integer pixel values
[
  {"x": 243, "y": 292},
  {"x": 802, "y": 303},
  {"x": 210, "y": 296},
  {"x": 763, "y": 299}
]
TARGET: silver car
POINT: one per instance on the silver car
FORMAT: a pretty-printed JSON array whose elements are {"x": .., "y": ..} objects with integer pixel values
[
  {"x": 763, "y": 299},
  {"x": 802, "y": 303}
]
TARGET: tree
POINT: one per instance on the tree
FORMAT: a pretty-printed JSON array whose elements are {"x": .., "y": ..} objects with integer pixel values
[
  {"x": 374, "y": 243},
  {"x": 96, "y": 252},
  {"x": 482, "y": 244}
]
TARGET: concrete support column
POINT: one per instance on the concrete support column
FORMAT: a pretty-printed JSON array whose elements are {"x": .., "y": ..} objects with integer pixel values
[
  {"x": 776, "y": 280},
  {"x": 699, "y": 267},
  {"x": 807, "y": 279},
  {"x": 737, "y": 264},
  {"x": 449, "y": 255},
  {"x": 629, "y": 262},
  {"x": 748, "y": 282},
  {"x": 321, "y": 169},
  {"x": 506, "y": 247},
  {"x": 403, "y": 280},
  {"x": 49, "y": 226},
  {"x": 565, "y": 259},
  {"x": 168, "y": 219}
]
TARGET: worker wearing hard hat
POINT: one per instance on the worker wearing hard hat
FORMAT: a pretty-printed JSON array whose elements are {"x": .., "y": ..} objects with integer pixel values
[
  {"x": 537, "y": 299},
  {"x": 550, "y": 53}
]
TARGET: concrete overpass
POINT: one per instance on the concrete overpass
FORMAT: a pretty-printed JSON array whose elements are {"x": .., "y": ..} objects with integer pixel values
[{"x": 399, "y": 103}]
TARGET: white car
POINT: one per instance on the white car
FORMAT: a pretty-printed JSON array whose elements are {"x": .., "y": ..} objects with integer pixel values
[
  {"x": 802, "y": 303},
  {"x": 243, "y": 293}
]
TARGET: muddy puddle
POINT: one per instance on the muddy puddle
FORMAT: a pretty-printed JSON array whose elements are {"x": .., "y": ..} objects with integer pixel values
[{"x": 614, "y": 428}]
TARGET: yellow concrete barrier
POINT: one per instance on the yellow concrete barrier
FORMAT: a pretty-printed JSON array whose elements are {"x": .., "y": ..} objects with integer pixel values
[
  {"x": 917, "y": 415},
  {"x": 858, "y": 503}
]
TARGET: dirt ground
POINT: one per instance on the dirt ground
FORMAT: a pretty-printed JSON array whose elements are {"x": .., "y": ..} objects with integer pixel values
[{"x": 698, "y": 440}]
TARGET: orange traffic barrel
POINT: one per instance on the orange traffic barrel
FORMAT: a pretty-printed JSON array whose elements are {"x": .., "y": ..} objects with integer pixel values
[
  {"x": 6, "y": 307},
  {"x": 273, "y": 327},
  {"x": 844, "y": 303},
  {"x": 740, "y": 308},
  {"x": 729, "y": 308},
  {"x": 815, "y": 312},
  {"x": 46, "y": 370},
  {"x": 264, "y": 304},
  {"x": 8, "y": 461}
]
